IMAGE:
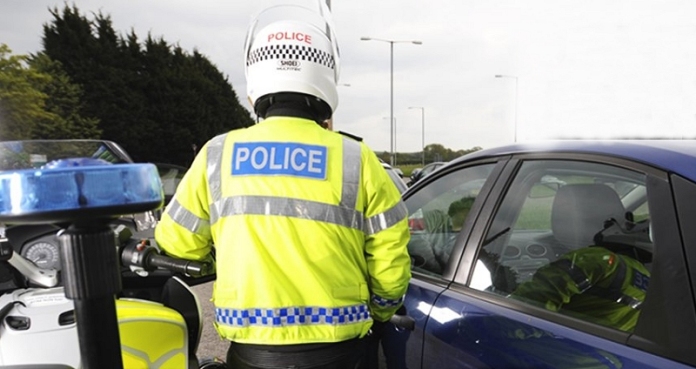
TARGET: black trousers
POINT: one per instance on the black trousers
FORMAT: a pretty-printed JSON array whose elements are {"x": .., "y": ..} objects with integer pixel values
[
  {"x": 392, "y": 341},
  {"x": 341, "y": 355}
]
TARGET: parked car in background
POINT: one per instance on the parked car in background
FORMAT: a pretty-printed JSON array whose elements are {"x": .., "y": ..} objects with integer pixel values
[
  {"x": 419, "y": 173},
  {"x": 486, "y": 223},
  {"x": 25, "y": 154},
  {"x": 396, "y": 175},
  {"x": 171, "y": 175}
]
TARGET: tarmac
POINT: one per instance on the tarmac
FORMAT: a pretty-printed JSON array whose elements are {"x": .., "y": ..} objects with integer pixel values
[{"x": 211, "y": 345}]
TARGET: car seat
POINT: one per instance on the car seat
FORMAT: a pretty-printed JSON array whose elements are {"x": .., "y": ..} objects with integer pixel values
[{"x": 579, "y": 212}]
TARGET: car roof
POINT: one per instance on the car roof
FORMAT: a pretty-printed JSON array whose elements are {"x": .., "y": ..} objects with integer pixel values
[
  {"x": 433, "y": 163},
  {"x": 677, "y": 156}
]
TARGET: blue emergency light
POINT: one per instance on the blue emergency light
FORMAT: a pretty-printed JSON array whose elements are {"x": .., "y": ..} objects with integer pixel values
[{"x": 79, "y": 188}]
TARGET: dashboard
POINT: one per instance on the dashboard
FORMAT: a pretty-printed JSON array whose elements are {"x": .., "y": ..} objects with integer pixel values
[
  {"x": 39, "y": 243},
  {"x": 44, "y": 252},
  {"x": 527, "y": 251}
]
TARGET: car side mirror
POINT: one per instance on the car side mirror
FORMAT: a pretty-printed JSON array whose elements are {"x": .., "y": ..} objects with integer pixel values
[
  {"x": 399, "y": 172},
  {"x": 415, "y": 172}
]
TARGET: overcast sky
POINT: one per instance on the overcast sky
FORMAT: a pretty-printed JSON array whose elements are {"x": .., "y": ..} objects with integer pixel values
[{"x": 582, "y": 68}]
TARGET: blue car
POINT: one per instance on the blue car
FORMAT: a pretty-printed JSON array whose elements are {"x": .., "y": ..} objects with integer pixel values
[{"x": 490, "y": 224}]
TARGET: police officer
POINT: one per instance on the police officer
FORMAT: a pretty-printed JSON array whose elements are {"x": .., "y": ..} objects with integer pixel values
[
  {"x": 595, "y": 283},
  {"x": 309, "y": 232}
]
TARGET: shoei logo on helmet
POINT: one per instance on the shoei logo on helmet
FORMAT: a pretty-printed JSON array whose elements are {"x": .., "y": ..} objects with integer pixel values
[
  {"x": 295, "y": 36},
  {"x": 288, "y": 63}
]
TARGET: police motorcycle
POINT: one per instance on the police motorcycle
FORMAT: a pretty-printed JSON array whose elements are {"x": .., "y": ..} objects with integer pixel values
[{"x": 82, "y": 284}]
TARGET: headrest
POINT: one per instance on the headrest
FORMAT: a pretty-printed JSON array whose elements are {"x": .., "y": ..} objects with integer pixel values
[{"x": 579, "y": 212}]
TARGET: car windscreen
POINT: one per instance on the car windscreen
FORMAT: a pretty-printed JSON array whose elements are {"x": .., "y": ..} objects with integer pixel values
[{"x": 35, "y": 153}]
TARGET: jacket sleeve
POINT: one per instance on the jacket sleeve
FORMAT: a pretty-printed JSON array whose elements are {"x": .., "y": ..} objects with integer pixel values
[
  {"x": 387, "y": 236},
  {"x": 184, "y": 230},
  {"x": 556, "y": 283}
]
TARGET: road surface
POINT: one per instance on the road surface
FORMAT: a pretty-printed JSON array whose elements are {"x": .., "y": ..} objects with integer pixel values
[{"x": 211, "y": 345}]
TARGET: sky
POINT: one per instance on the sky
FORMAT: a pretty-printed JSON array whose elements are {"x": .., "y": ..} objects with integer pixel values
[{"x": 569, "y": 68}]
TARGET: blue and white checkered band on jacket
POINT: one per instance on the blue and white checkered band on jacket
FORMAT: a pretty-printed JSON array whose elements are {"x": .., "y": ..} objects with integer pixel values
[
  {"x": 289, "y": 316},
  {"x": 291, "y": 52}
]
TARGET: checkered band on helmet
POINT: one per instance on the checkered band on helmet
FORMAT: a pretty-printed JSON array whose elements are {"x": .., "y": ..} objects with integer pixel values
[{"x": 291, "y": 52}]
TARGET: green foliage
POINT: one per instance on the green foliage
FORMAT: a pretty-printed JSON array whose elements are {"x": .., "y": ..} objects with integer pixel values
[
  {"x": 535, "y": 214},
  {"x": 22, "y": 102},
  {"x": 38, "y": 100},
  {"x": 63, "y": 101},
  {"x": 433, "y": 152},
  {"x": 155, "y": 99},
  {"x": 407, "y": 169}
]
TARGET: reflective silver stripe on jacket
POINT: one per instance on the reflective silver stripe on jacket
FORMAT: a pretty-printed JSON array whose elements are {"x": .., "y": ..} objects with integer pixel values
[
  {"x": 186, "y": 219},
  {"x": 183, "y": 216},
  {"x": 351, "y": 173},
  {"x": 387, "y": 219},
  {"x": 282, "y": 206},
  {"x": 213, "y": 169},
  {"x": 343, "y": 214}
]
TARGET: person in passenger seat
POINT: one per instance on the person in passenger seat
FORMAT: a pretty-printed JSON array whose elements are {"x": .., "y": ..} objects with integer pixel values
[{"x": 604, "y": 283}]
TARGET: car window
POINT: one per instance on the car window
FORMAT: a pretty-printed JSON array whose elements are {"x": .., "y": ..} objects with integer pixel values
[
  {"x": 437, "y": 214},
  {"x": 429, "y": 169},
  {"x": 170, "y": 175},
  {"x": 571, "y": 237}
]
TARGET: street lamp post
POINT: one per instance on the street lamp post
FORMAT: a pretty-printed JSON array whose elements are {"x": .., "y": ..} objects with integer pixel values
[
  {"x": 392, "y": 134},
  {"x": 422, "y": 109},
  {"x": 391, "y": 85},
  {"x": 395, "y": 151},
  {"x": 515, "y": 111}
]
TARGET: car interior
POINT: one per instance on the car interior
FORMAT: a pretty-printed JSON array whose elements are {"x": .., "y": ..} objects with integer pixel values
[{"x": 533, "y": 228}]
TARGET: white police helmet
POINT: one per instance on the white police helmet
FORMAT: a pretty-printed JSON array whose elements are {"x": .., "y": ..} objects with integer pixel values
[{"x": 292, "y": 49}]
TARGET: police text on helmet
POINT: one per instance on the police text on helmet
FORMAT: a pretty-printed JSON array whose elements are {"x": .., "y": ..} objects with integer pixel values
[{"x": 296, "y": 36}]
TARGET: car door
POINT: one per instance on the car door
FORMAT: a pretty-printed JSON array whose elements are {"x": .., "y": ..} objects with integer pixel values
[
  {"x": 438, "y": 216},
  {"x": 479, "y": 320}
]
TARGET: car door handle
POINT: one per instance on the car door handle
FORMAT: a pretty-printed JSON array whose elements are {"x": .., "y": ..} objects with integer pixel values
[{"x": 403, "y": 322}]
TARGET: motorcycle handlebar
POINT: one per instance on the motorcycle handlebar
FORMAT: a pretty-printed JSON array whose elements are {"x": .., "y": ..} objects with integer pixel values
[
  {"x": 142, "y": 255},
  {"x": 188, "y": 267}
]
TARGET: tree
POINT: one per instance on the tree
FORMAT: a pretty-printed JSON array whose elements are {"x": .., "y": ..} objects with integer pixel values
[
  {"x": 156, "y": 100},
  {"x": 21, "y": 102},
  {"x": 433, "y": 152},
  {"x": 38, "y": 100},
  {"x": 63, "y": 101}
]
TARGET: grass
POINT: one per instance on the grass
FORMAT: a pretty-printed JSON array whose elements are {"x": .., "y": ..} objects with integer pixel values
[
  {"x": 536, "y": 214},
  {"x": 408, "y": 168}
]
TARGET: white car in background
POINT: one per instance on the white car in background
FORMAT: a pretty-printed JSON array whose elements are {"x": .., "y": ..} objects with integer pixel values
[{"x": 396, "y": 175}]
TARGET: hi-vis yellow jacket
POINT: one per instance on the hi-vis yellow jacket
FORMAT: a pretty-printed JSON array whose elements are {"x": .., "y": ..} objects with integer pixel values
[{"x": 309, "y": 233}]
